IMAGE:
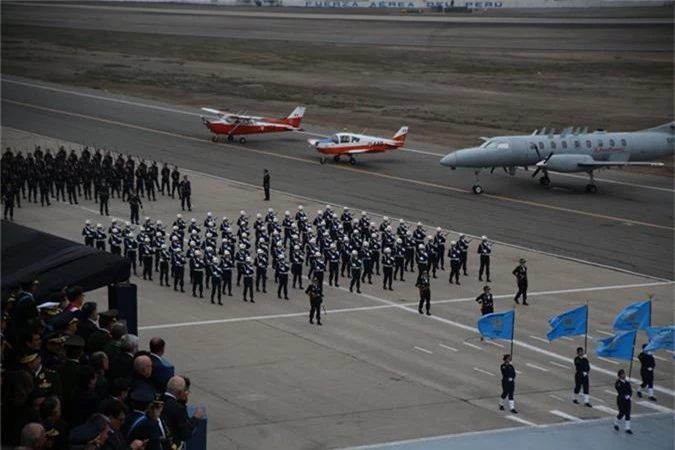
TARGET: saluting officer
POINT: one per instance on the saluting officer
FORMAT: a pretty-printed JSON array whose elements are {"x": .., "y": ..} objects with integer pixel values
[
  {"x": 581, "y": 369},
  {"x": 623, "y": 401},
  {"x": 387, "y": 268},
  {"x": 424, "y": 285},
  {"x": 647, "y": 365},
  {"x": 315, "y": 299},
  {"x": 508, "y": 384},
  {"x": 486, "y": 302},
  {"x": 520, "y": 272},
  {"x": 484, "y": 250}
]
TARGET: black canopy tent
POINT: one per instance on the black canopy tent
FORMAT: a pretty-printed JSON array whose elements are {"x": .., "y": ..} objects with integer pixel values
[{"x": 55, "y": 261}]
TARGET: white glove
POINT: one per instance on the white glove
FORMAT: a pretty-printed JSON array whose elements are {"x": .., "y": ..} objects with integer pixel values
[
  {"x": 627, "y": 397},
  {"x": 585, "y": 374},
  {"x": 650, "y": 368},
  {"x": 510, "y": 379}
]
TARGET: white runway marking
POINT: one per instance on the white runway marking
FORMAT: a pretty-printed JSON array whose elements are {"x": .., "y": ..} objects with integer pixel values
[
  {"x": 496, "y": 344},
  {"x": 660, "y": 358},
  {"x": 604, "y": 332},
  {"x": 566, "y": 416},
  {"x": 562, "y": 366},
  {"x": 606, "y": 409},
  {"x": 608, "y": 360},
  {"x": 607, "y": 391},
  {"x": 483, "y": 371},
  {"x": 519, "y": 372},
  {"x": 472, "y": 345},
  {"x": 448, "y": 347},
  {"x": 534, "y": 366},
  {"x": 597, "y": 399},
  {"x": 567, "y": 338},
  {"x": 537, "y": 338},
  {"x": 424, "y": 350},
  {"x": 556, "y": 397},
  {"x": 521, "y": 420},
  {"x": 655, "y": 407}
]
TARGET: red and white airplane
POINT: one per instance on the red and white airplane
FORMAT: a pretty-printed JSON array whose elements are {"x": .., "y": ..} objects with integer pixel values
[
  {"x": 353, "y": 144},
  {"x": 237, "y": 125}
]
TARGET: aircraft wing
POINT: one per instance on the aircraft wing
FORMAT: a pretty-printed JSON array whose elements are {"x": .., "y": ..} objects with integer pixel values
[
  {"x": 215, "y": 111},
  {"x": 599, "y": 164},
  {"x": 278, "y": 125}
]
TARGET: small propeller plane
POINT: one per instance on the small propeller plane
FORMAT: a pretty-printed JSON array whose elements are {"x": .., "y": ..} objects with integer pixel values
[
  {"x": 234, "y": 125},
  {"x": 350, "y": 144}
]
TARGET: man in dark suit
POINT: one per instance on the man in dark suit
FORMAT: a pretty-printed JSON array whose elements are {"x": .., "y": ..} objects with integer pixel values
[
  {"x": 175, "y": 413},
  {"x": 162, "y": 370},
  {"x": 67, "y": 371},
  {"x": 88, "y": 320},
  {"x": 123, "y": 366},
  {"x": 101, "y": 336}
]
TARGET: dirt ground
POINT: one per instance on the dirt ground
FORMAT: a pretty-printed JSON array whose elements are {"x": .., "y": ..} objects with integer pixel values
[{"x": 453, "y": 95}]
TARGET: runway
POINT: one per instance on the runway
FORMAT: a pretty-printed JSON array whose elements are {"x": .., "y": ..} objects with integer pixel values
[
  {"x": 578, "y": 34},
  {"x": 624, "y": 225}
]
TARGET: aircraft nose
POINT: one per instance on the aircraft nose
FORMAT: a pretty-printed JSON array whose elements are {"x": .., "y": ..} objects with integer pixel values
[{"x": 449, "y": 160}]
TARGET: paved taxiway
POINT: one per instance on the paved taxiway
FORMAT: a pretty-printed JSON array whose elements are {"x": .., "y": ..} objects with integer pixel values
[
  {"x": 624, "y": 225},
  {"x": 617, "y": 34},
  {"x": 376, "y": 371}
]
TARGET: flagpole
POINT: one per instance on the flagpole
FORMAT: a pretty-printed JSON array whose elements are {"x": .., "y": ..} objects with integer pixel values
[
  {"x": 513, "y": 330},
  {"x": 632, "y": 355},
  {"x": 586, "y": 334}
]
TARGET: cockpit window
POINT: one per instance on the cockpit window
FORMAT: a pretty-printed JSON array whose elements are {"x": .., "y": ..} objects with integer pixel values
[
  {"x": 335, "y": 139},
  {"x": 344, "y": 139}
]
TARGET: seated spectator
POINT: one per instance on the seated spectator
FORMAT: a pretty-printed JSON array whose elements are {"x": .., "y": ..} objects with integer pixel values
[{"x": 162, "y": 370}]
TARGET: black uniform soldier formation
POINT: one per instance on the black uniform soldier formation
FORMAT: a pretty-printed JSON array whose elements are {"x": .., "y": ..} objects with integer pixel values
[
  {"x": 74, "y": 378},
  {"x": 95, "y": 176}
]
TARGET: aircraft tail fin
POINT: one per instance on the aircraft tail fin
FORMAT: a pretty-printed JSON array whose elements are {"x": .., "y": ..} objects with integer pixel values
[
  {"x": 295, "y": 117},
  {"x": 665, "y": 128},
  {"x": 401, "y": 135}
]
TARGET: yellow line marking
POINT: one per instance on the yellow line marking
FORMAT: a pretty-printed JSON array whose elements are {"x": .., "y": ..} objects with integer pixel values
[{"x": 349, "y": 168}]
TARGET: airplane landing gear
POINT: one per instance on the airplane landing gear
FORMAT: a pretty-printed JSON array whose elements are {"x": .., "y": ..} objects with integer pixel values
[
  {"x": 477, "y": 188},
  {"x": 214, "y": 138},
  {"x": 242, "y": 140},
  {"x": 322, "y": 160},
  {"x": 352, "y": 161},
  {"x": 336, "y": 158},
  {"x": 545, "y": 180},
  {"x": 591, "y": 188},
  {"x": 230, "y": 138}
]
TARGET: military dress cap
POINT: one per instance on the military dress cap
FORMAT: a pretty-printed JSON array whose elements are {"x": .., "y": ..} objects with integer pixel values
[
  {"x": 50, "y": 429},
  {"x": 84, "y": 433},
  {"x": 75, "y": 341},
  {"x": 56, "y": 338},
  {"x": 29, "y": 357},
  {"x": 72, "y": 320},
  {"x": 142, "y": 394},
  {"x": 522, "y": 260}
]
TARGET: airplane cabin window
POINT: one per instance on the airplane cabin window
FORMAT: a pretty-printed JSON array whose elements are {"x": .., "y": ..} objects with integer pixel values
[
  {"x": 344, "y": 139},
  {"x": 611, "y": 143},
  {"x": 335, "y": 140},
  {"x": 541, "y": 146},
  {"x": 600, "y": 143},
  {"x": 623, "y": 142},
  {"x": 553, "y": 145},
  {"x": 577, "y": 144},
  {"x": 564, "y": 145},
  {"x": 588, "y": 144}
]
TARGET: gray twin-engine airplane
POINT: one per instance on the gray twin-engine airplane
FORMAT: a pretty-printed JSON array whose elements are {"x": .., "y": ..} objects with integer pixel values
[{"x": 571, "y": 150}]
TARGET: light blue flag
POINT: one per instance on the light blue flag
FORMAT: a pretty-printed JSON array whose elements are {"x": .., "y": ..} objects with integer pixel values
[
  {"x": 660, "y": 338},
  {"x": 497, "y": 325},
  {"x": 619, "y": 346},
  {"x": 636, "y": 316},
  {"x": 570, "y": 323}
]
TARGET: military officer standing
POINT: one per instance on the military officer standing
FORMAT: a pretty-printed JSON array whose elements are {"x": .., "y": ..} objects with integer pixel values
[
  {"x": 455, "y": 261},
  {"x": 216, "y": 280},
  {"x": 185, "y": 190},
  {"x": 100, "y": 237},
  {"x": 623, "y": 400},
  {"x": 508, "y": 384},
  {"x": 315, "y": 294},
  {"x": 103, "y": 197},
  {"x": 166, "y": 174},
  {"x": 147, "y": 250},
  {"x": 247, "y": 271},
  {"x": 387, "y": 268},
  {"x": 484, "y": 250},
  {"x": 355, "y": 266},
  {"x": 520, "y": 272},
  {"x": 175, "y": 182},
  {"x": 581, "y": 369},
  {"x": 135, "y": 204},
  {"x": 266, "y": 184},
  {"x": 486, "y": 302},
  {"x": 424, "y": 285},
  {"x": 647, "y": 365}
]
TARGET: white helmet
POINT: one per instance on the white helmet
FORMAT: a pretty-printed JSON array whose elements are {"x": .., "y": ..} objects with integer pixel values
[
  {"x": 208, "y": 214},
  {"x": 127, "y": 223},
  {"x": 195, "y": 232},
  {"x": 242, "y": 246},
  {"x": 262, "y": 240},
  {"x": 215, "y": 260},
  {"x": 401, "y": 221},
  {"x": 332, "y": 245},
  {"x": 209, "y": 249},
  {"x": 174, "y": 238},
  {"x": 419, "y": 224},
  {"x": 131, "y": 234},
  {"x": 248, "y": 259},
  {"x": 438, "y": 229},
  {"x": 363, "y": 213},
  {"x": 319, "y": 212},
  {"x": 142, "y": 229},
  {"x": 209, "y": 235},
  {"x": 345, "y": 239},
  {"x": 300, "y": 207},
  {"x": 193, "y": 220},
  {"x": 159, "y": 233},
  {"x": 115, "y": 231},
  {"x": 260, "y": 251},
  {"x": 385, "y": 218},
  {"x": 259, "y": 216},
  {"x": 98, "y": 225},
  {"x": 461, "y": 235},
  {"x": 113, "y": 220},
  {"x": 269, "y": 210},
  {"x": 312, "y": 241},
  {"x": 192, "y": 243},
  {"x": 175, "y": 227},
  {"x": 399, "y": 241},
  {"x": 421, "y": 247},
  {"x": 279, "y": 244},
  {"x": 345, "y": 208},
  {"x": 483, "y": 238},
  {"x": 355, "y": 253},
  {"x": 147, "y": 239},
  {"x": 198, "y": 252},
  {"x": 287, "y": 213},
  {"x": 366, "y": 244},
  {"x": 372, "y": 224},
  {"x": 163, "y": 246},
  {"x": 224, "y": 240},
  {"x": 147, "y": 218},
  {"x": 387, "y": 250},
  {"x": 226, "y": 252},
  {"x": 159, "y": 222},
  {"x": 179, "y": 216},
  {"x": 242, "y": 213},
  {"x": 453, "y": 242},
  {"x": 388, "y": 228},
  {"x": 296, "y": 247},
  {"x": 87, "y": 222},
  {"x": 244, "y": 235},
  {"x": 224, "y": 218}
]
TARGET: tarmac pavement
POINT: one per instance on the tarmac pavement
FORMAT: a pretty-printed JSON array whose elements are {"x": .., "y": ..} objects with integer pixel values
[{"x": 376, "y": 371}]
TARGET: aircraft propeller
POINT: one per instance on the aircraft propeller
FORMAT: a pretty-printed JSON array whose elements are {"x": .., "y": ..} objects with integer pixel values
[{"x": 541, "y": 164}]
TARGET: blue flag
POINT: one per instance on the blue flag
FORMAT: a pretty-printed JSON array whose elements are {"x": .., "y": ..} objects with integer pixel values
[
  {"x": 660, "y": 338},
  {"x": 636, "y": 316},
  {"x": 570, "y": 323},
  {"x": 619, "y": 346},
  {"x": 497, "y": 325}
]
